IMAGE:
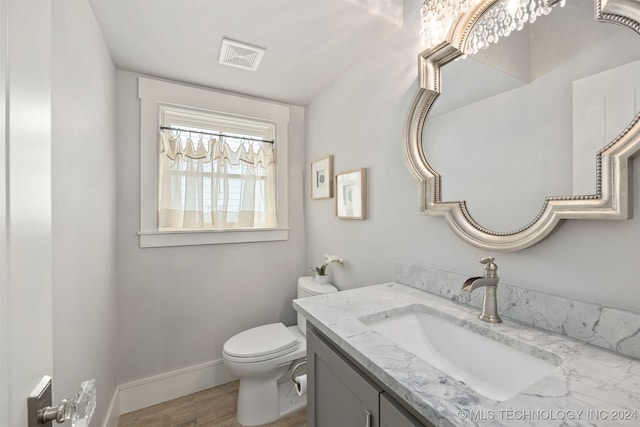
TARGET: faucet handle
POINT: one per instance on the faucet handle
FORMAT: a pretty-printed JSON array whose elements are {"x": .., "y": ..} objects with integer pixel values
[
  {"x": 490, "y": 269},
  {"x": 487, "y": 260}
]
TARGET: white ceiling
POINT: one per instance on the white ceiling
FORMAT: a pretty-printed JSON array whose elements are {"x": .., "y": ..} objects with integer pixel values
[{"x": 309, "y": 43}]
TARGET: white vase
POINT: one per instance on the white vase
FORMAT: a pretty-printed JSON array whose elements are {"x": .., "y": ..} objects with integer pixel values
[{"x": 322, "y": 280}]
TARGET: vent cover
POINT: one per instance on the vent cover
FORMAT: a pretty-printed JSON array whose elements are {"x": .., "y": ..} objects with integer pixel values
[{"x": 240, "y": 55}]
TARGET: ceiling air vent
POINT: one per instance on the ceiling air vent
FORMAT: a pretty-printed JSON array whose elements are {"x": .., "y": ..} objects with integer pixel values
[{"x": 240, "y": 55}]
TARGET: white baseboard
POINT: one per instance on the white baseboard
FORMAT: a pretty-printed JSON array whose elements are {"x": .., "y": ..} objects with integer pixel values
[{"x": 171, "y": 385}]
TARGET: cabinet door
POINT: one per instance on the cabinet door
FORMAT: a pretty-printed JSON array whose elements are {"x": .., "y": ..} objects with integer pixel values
[
  {"x": 338, "y": 395},
  {"x": 393, "y": 415}
]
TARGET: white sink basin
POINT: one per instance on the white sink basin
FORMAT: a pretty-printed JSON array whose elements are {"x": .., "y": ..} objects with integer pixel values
[{"x": 491, "y": 368}]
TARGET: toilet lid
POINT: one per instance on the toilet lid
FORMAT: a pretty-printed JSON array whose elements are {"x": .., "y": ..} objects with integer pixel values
[{"x": 261, "y": 341}]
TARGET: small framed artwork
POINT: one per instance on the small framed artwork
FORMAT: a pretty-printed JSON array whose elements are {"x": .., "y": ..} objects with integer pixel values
[
  {"x": 322, "y": 178},
  {"x": 351, "y": 194}
]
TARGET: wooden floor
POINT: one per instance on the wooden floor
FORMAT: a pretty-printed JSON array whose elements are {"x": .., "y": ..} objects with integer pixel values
[{"x": 215, "y": 407}]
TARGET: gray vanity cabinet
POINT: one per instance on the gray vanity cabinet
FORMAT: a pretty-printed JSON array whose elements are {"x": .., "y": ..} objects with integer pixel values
[
  {"x": 341, "y": 395},
  {"x": 338, "y": 395},
  {"x": 393, "y": 415}
]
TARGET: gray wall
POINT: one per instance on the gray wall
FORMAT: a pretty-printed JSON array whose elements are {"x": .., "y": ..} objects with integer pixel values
[
  {"x": 178, "y": 305},
  {"x": 84, "y": 220},
  {"x": 359, "y": 120}
]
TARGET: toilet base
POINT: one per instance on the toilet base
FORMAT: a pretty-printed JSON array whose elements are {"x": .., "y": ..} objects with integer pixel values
[{"x": 261, "y": 402}]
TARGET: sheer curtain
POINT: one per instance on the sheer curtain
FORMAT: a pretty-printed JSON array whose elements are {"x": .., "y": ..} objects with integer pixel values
[{"x": 215, "y": 184}]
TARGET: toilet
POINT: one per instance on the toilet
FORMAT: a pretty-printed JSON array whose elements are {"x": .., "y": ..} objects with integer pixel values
[{"x": 263, "y": 359}]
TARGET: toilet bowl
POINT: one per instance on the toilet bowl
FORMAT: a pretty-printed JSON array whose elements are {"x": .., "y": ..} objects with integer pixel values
[{"x": 263, "y": 357}]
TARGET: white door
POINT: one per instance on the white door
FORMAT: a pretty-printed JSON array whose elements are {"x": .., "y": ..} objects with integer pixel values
[{"x": 26, "y": 346}]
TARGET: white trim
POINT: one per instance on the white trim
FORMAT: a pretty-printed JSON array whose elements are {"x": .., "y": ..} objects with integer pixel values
[
  {"x": 150, "y": 391},
  {"x": 153, "y": 94},
  {"x": 158, "y": 239}
]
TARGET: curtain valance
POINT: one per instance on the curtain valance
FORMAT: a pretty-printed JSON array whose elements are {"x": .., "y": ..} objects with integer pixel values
[{"x": 173, "y": 146}]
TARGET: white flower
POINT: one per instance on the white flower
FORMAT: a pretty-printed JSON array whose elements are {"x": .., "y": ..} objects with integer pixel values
[{"x": 328, "y": 259}]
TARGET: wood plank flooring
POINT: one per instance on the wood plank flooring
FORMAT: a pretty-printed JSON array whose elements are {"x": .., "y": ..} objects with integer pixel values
[{"x": 215, "y": 407}]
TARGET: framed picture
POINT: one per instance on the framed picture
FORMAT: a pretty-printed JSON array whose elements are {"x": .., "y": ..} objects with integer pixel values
[
  {"x": 351, "y": 194},
  {"x": 322, "y": 178}
]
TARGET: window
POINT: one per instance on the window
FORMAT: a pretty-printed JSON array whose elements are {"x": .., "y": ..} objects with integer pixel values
[{"x": 201, "y": 187}]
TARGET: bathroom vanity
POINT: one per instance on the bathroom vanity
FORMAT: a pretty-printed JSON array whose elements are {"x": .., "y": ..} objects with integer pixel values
[{"x": 364, "y": 368}]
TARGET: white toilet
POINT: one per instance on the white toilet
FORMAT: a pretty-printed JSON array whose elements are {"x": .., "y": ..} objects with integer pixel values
[{"x": 263, "y": 358}]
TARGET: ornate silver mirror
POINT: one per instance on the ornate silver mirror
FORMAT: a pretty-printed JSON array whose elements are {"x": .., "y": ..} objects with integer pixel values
[{"x": 509, "y": 141}]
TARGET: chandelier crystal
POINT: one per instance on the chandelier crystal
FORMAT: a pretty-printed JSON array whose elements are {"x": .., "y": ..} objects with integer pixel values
[{"x": 500, "y": 20}]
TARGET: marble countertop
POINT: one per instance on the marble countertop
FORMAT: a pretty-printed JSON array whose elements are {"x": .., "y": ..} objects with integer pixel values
[{"x": 591, "y": 386}]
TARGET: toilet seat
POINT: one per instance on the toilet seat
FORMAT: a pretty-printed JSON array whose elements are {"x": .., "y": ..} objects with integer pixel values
[{"x": 260, "y": 343}]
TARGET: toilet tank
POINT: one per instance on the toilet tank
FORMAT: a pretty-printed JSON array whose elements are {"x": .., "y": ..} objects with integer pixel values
[{"x": 308, "y": 288}]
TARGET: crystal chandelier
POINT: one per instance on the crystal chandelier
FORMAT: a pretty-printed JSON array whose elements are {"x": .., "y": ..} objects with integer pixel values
[{"x": 502, "y": 18}]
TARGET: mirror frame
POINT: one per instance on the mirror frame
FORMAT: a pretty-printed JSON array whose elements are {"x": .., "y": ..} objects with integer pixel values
[{"x": 613, "y": 162}]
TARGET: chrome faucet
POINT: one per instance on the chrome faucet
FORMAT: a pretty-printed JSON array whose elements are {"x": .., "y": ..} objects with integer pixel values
[{"x": 490, "y": 284}]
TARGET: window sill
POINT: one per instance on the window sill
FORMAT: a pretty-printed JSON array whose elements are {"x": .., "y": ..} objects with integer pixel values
[{"x": 158, "y": 239}]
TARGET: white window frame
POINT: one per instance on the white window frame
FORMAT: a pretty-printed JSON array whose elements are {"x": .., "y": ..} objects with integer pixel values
[{"x": 156, "y": 94}]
